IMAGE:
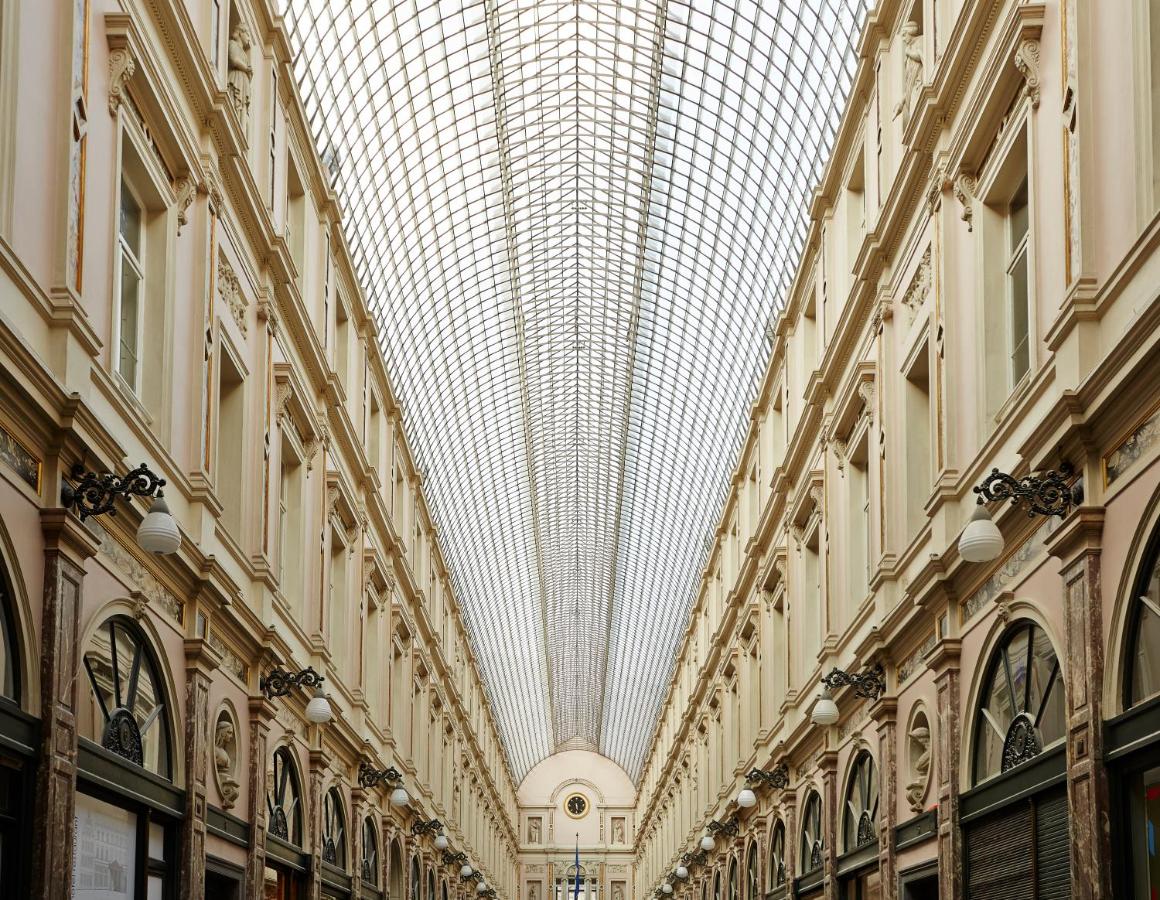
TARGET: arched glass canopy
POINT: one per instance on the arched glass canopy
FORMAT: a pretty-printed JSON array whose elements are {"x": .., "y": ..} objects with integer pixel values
[{"x": 574, "y": 223}]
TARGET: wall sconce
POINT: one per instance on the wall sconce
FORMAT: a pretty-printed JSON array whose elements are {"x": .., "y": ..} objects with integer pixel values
[
  {"x": 454, "y": 859},
  {"x": 95, "y": 494},
  {"x": 1048, "y": 494},
  {"x": 280, "y": 683},
  {"x": 870, "y": 684},
  {"x": 777, "y": 777},
  {"x": 728, "y": 827},
  {"x": 695, "y": 859},
  {"x": 430, "y": 826},
  {"x": 471, "y": 875},
  {"x": 681, "y": 872},
  {"x": 369, "y": 776},
  {"x": 666, "y": 888},
  {"x": 707, "y": 843}
]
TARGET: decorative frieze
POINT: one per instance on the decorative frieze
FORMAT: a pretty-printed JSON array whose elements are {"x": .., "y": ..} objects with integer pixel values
[
  {"x": 1031, "y": 549},
  {"x": 230, "y": 660},
  {"x": 919, "y": 290},
  {"x": 911, "y": 664},
  {"x": 1129, "y": 451},
  {"x": 20, "y": 460},
  {"x": 138, "y": 576}
]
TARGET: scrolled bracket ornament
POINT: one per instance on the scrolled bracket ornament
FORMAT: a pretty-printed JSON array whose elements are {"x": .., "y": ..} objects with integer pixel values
[
  {"x": 1049, "y": 494},
  {"x": 730, "y": 826},
  {"x": 122, "y": 735},
  {"x": 777, "y": 777},
  {"x": 96, "y": 493},
  {"x": 369, "y": 776},
  {"x": 280, "y": 683},
  {"x": 1021, "y": 743},
  {"x": 870, "y": 683}
]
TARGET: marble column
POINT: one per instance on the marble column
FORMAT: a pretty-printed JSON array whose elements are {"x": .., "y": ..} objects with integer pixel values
[
  {"x": 789, "y": 813},
  {"x": 1076, "y": 544},
  {"x": 200, "y": 662},
  {"x": 885, "y": 714},
  {"x": 261, "y": 716},
  {"x": 317, "y": 771},
  {"x": 829, "y": 766},
  {"x": 67, "y": 544},
  {"x": 355, "y": 831},
  {"x": 944, "y": 662}
]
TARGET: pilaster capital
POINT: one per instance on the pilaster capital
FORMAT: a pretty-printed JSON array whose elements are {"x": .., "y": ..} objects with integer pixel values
[
  {"x": 65, "y": 535},
  {"x": 944, "y": 657},
  {"x": 200, "y": 656},
  {"x": 1081, "y": 534}
]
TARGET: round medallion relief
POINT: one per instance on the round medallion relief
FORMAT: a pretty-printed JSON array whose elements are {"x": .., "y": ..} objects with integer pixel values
[{"x": 576, "y": 806}]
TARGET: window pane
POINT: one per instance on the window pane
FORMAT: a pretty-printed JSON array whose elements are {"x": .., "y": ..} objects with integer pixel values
[
  {"x": 130, "y": 225},
  {"x": 1145, "y": 661},
  {"x": 1018, "y": 214},
  {"x": 130, "y": 299},
  {"x": 1020, "y": 355}
]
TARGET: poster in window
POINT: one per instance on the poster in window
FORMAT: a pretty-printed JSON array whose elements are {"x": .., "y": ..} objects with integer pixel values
[{"x": 104, "y": 859}]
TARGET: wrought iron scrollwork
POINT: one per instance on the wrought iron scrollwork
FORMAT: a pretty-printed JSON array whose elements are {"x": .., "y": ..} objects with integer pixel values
[
  {"x": 777, "y": 777},
  {"x": 454, "y": 859},
  {"x": 1048, "y": 494},
  {"x": 729, "y": 827},
  {"x": 369, "y": 776},
  {"x": 430, "y": 826},
  {"x": 279, "y": 682},
  {"x": 865, "y": 833},
  {"x": 96, "y": 493},
  {"x": 1021, "y": 743},
  {"x": 695, "y": 859},
  {"x": 122, "y": 736},
  {"x": 279, "y": 825},
  {"x": 870, "y": 683},
  {"x": 330, "y": 851}
]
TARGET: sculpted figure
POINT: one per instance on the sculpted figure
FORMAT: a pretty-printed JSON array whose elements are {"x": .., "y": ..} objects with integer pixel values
[
  {"x": 916, "y": 788},
  {"x": 224, "y": 763},
  {"x": 911, "y": 72},
  {"x": 618, "y": 891},
  {"x": 618, "y": 831},
  {"x": 533, "y": 831},
  {"x": 241, "y": 73}
]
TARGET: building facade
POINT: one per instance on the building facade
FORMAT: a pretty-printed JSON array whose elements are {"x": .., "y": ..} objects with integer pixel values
[
  {"x": 177, "y": 290},
  {"x": 978, "y": 291}
]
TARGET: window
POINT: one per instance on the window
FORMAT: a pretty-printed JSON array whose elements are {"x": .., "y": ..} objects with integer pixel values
[
  {"x": 125, "y": 712},
  {"x": 1017, "y": 296},
  {"x": 717, "y": 885},
  {"x": 338, "y": 610},
  {"x": 1143, "y": 668},
  {"x": 732, "y": 889},
  {"x": 1021, "y": 711},
  {"x": 370, "y": 851},
  {"x": 230, "y": 462},
  {"x": 296, "y": 219},
  {"x": 810, "y": 857},
  {"x": 416, "y": 879},
  {"x": 777, "y": 856},
  {"x": 273, "y": 186},
  {"x": 919, "y": 478},
  {"x": 430, "y": 883},
  {"x": 860, "y": 814},
  {"x": 283, "y": 800},
  {"x": 290, "y": 526},
  {"x": 215, "y": 32},
  {"x": 342, "y": 343},
  {"x": 333, "y": 830},
  {"x": 858, "y": 511},
  {"x": 9, "y": 661},
  {"x": 130, "y": 280},
  {"x": 752, "y": 874}
]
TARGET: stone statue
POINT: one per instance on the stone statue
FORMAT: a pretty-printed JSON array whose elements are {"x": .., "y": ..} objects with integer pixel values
[
  {"x": 617, "y": 891},
  {"x": 920, "y": 766},
  {"x": 533, "y": 891},
  {"x": 224, "y": 751},
  {"x": 241, "y": 73},
  {"x": 533, "y": 831},
  {"x": 911, "y": 72},
  {"x": 618, "y": 831}
]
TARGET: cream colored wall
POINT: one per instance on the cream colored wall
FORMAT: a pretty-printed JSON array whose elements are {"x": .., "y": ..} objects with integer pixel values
[{"x": 611, "y": 799}]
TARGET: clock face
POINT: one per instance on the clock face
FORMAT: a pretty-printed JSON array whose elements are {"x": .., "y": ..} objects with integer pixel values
[{"x": 576, "y": 806}]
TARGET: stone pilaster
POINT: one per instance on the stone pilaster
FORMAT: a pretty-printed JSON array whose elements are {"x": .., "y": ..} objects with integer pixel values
[
  {"x": 200, "y": 662},
  {"x": 885, "y": 715},
  {"x": 944, "y": 662},
  {"x": 354, "y": 829},
  {"x": 67, "y": 544},
  {"x": 261, "y": 715},
  {"x": 317, "y": 771},
  {"x": 1077, "y": 546},
  {"x": 829, "y": 766}
]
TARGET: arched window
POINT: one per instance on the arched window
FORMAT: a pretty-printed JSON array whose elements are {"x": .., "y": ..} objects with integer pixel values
[
  {"x": 443, "y": 890},
  {"x": 430, "y": 883},
  {"x": 370, "y": 852},
  {"x": 811, "y": 848},
  {"x": 860, "y": 815},
  {"x": 717, "y": 885},
  {"x": 395, "y": 872},
  {"x": 732, "y": 890},
  {"x": 416, "y": 879},
  {"x": 777, "y": 855},
  {"x": 126, "y": 711},
  {"x": 752, "y": 874},
  {"x": 333, "y": 829},
  {"x": 283, "y": 800},
  {"x": 1142, "y": 677},
  {"x": 9, "y": 663},
  {"x": 704, "y": 890},
  {"x": 1022, "y": 705}
]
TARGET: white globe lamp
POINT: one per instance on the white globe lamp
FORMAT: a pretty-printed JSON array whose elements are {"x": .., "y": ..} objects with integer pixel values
[
  {"x": 441, "y": 842},
  {"x": 318, "y": 709},
  {"x": 466, "y": 871},
  {"x": 481, "y": 887},
  {"x": 707, "y": 843},
  {"x": 981, "y": 541},
  {"x": 746, "y": 798},
  {"x": 682, "y": 872},
  {"x": 158, "y": 532},
  {"x": 400, "y": 797},
  {"x": 825, "y": 709},
  {"x": 666, "y": 888}
]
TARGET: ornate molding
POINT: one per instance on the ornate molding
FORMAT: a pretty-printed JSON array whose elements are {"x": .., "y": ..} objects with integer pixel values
[
  {"x": 185, "y": 191},
  {"x": 121, "y": 69},
  {"x": 230, "y": 291},
  {"x": 919, "y": 290},
  {"x": 964, "y": 187},
  {"x": 1027, "y": 62}
]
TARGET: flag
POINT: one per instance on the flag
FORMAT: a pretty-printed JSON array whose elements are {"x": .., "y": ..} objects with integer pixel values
[{"x": 576, "y": 894}]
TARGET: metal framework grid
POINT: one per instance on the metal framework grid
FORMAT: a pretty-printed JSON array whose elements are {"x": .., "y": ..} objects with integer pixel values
[{"x": 574, "y": 222}]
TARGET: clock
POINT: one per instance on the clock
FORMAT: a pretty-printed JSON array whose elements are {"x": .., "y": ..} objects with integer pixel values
[{"x": 576, "y": 806}]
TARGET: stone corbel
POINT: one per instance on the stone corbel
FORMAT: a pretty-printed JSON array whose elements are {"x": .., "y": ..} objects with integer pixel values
[
  {"x": 964, "y": 186},
  {"x": 184, "y": 190},
  {"x": 1027, "y": 62},
  {"x": 122, "y": 66}
]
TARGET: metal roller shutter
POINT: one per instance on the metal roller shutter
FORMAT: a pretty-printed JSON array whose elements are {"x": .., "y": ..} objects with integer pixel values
[
  {"x": 999, "y": 854},
  {"x": 1052, "y": 846}
]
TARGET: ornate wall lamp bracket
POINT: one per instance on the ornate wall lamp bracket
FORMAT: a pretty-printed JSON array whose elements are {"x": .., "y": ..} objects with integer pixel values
[
  {"x": 695, "y": 859},
  {"x": 95, "y": 494},
  {"x": 870, "y": 683},
  {"x": 369, "y": 776},
  {"x": 429, "y": 826},
  {"x": 474, "y": 876},
  {"x": 1048, "y": 494},
  {"x": 729, "y": 826},
  {"x": 454, "y": 859},
  {"x": 281, "y": 683},
  {"x": 777, "y": 777}
]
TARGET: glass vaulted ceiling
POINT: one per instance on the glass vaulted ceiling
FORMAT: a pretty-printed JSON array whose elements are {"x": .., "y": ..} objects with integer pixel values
[{"x": 574, "y": 221}]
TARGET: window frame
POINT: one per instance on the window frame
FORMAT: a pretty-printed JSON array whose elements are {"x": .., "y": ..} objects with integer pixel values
[{"x": 122, "y": 250}]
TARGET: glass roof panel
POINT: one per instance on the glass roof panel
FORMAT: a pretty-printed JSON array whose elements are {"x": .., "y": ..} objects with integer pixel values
[{"x": 574, "y": 221}]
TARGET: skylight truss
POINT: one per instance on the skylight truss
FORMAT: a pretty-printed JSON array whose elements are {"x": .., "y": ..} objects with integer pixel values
[{"x": 574, "y": 222}]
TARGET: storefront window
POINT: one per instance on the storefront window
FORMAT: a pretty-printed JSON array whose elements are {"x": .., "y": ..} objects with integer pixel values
[
  {"x": 1144, "y": 809},
  {"x": 811, "y": 848},
  {"x": 333, "y": 830},
  {"x": 1022, "y": 709},
  {"x": 283, "y": 800},
  {"x": 115, "y": 850},
  {"x": 1144, "y": 637},
  {"x": 777, "y": 856},
  {"x": 860, "y": 815},
  {"x": 125, "y": 710}
]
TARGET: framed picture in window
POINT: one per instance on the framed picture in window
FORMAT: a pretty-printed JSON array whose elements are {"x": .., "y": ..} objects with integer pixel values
[{"x": 105, "y": 855}]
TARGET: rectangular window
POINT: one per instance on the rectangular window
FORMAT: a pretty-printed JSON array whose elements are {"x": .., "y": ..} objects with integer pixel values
[
  {"x": 1017, "y": 236},
  {"x": 130, "y": 281},
  {"x": 273, "y": 135},
  {"x": 290, "y": 549},
  {"x": 230, "y": 441},
  {"x": 859, "y": 512},
  {"x": 918, "y": 440},
  {"x": 339, "y": 605},
  {"x": 215, "y": 33}
]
